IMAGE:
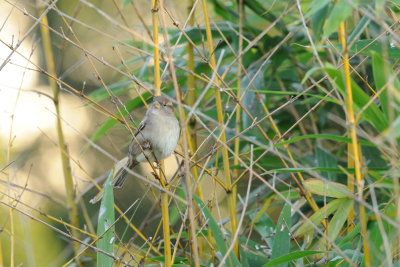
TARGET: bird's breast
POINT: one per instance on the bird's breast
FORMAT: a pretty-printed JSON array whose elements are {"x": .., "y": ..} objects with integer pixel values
[{"x": 165, "y": 137}]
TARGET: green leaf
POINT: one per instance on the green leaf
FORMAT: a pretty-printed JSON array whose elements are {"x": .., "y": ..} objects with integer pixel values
[
  {"x": 259, "y": 9},
  {"x": 292, "y": 256},
  {"x": 340, "y": 12},
  {"x": 368, "y": 47},
  {"x": 379, "y": 4},
  {"x": 325, "y": 159},
  {"x": 226, "y": 13},
  {"x": 372, "y": 156},
  {"x": 394, "y": 130},
  {"x": 350, "y": 236},
  {"x": 323, "y": 136},
  {"x": 116, "y": 88},
  {"x": 249, "y": 98},
  {"x": 250, "y": 259},
  {"x": 308, "y": 74},
  {"x": 315, "y": 6},
  {"x": 264, "y": 226},
  {"x": 103, "y": 129},
  {"x": 319, "y": 216},
  {"x": 383, "y": 74},
  {"x": 105, "y": 220},
  {"x": 319, "y": 169},
  {"x": 132, "y": 104},
  {"x": 281, "y": 244},
  {"x": 362, "y": 24},
  {"x": 176, "y": 209},
  {"x": 372, "y": 114},
  {"x": 178, "y": 261},
  {"x": 329, "y": 189},
  {"x": 216, "y": 233},
  {"x": 126, "y": 2},
  {"x": 328, "y": 99},
  {"x": 318, "y": 19},
  {"x": 196, "y": 34},
  {"x": 289, "y": 194},
  {"x": 336, "y": 223}
]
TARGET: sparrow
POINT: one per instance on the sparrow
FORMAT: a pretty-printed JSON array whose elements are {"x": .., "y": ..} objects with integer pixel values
[{"x": 156, "y": 136}]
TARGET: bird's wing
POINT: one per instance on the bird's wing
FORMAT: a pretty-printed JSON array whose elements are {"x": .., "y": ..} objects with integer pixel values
[
  {"x": 140, "y": 127},
  {"x": 134, "y": 147}
]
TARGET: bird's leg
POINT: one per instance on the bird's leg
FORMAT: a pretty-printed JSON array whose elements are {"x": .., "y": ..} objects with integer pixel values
[{"x": 158, "y": 165}]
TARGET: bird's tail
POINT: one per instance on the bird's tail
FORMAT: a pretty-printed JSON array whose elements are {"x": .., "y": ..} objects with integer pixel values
[
  {"x": 117, "y": 182},
  {"x": 119, "y": 178},
  {"x": 121, "y": 174}
]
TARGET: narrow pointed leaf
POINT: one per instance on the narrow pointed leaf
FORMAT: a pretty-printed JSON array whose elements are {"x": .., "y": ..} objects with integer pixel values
[
  {"x": 292, "y": 256},
  {"x": 329, "y": 189},
  {"x": 105, "y": 220},
  {"x": 372, "y": 114},
  {"x": 281, "y": 244},
  {"x": 319, "y": 216},
  {"x": 217, "y": 233}
]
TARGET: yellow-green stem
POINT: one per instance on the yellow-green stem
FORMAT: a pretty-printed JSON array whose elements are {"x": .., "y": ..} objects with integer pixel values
[
  {"x": 224, "y": 150},
  {"x": 165, "y": 216},
  {"x": 236, "y": 148},
  {"x": 307, "y": 195},
  {"x": 191, "y": 126},
  {"x": 190, "y": 207},
  {"x": 354, "y": 151},
  {"x": 191, "y": 99},
  {"x": 157, "y": 81},
  {"x": 12, "y": 238},
  {"x": 157, "y": 85},
  {"x": 350, "y": 184},
  {"x": 69, "y": 185},
  {"x": 1, "y": 256}
]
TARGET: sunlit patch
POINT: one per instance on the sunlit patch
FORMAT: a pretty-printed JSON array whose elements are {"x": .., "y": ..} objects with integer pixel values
[{"x": 35, "y": 113}]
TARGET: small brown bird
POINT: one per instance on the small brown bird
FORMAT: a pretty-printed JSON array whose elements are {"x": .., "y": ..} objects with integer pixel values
[{"x": 157, "y": 135}]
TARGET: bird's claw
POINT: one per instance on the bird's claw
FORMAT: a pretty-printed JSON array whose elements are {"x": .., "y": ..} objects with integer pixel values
[{"x": 146, "y": 145}]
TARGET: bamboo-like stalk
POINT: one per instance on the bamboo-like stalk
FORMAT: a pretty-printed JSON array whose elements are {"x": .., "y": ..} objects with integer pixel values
[
  {"x": 69, "y": 184},
  {"x": 157, "y": 85},
  {"x": 157, "y": 81},
  {"x": 10, "y": 145},
  {"x": 354, "y": 148},
  {"x": 191, "y": 99},
  {"x": 191, "y": 126},
  {"x": 1, "y": 256},
  {"x": 185, "y": 143},
  {"x": 236, "y": 148},
  {"x": 224, "y": 150},
  {"x": 165, "y": 216},
  {"x": 11, "y": 214},
  {"x": 303, "y": 191},
  {"x": 350, "y": 185}
]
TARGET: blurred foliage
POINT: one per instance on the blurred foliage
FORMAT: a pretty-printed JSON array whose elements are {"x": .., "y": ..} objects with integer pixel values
[{"x": 292, "y": 77}]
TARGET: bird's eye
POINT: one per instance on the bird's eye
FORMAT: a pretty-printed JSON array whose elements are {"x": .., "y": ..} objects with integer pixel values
[{"x": 164, "y": 105}]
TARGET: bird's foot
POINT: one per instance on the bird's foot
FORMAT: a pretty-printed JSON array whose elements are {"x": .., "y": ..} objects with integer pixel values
[{"x": 146, "y": 145}]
